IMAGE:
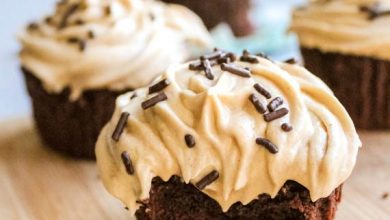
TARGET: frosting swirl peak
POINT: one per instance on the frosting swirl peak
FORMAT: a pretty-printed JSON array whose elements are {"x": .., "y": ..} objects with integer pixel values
[
  {"x": 116, "y": 44},
  {"x": 212, "y": 132}
]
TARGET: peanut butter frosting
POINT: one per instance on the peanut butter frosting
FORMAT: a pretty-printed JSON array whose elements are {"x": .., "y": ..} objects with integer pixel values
[
  {"x": 235, "y": 131},
  {"x": 110, "y": 44},
  {"x": 353, "y": 27}
]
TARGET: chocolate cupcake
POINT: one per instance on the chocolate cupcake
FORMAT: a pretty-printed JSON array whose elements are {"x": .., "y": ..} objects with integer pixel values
[
  {"x": 78, "y": 60},
  {"x": 213, "y": 12},
  {"x": 345, "y": 43},
  {"x": 216, "y": 139}
]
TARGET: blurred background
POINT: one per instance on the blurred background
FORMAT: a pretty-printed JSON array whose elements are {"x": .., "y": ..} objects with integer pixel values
[{"x": 272, "y": 38}]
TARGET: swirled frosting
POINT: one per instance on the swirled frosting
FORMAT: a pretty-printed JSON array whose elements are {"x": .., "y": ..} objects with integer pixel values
[
  {"x": 319, "y": 153},
  {"x": 116, "y": 44},
  {"x": 343, "y": 26}
]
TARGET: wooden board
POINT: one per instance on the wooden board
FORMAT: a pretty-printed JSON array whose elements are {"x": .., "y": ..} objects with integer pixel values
[{"x": 37, "y": 183}]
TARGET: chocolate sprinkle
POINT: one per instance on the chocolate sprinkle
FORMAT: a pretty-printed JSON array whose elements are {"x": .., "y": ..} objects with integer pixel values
[
  {"x": 73, "y": 40},
  {"x": 159, "y": 86},
  {"x": 79, "y": 22},
  {"x": 272, "y": 148},
  {"x": 207, "y": 68},
  {"x": 33, "y": 26},
  {"x": 274, "y": 104},
  {"x": 236, "y": 70},
  {"x": 71, "y": 9},
  {"x": 291, "y": 61},
  {"x": 224, "y": 60},
  {"x": 286, "y": 127},
  {"x": 275, "y": 115},
  {"x": 262, "y": 91},
  {"x": 190, "y": 140},
  {"x": 215, "y": 55},
  {"x": 107, "y": 10},
  {"x": 247, "y": 57},
  {"x": 133, "y": 96},
  {"x": 91, "y": 34},
  {"x": 127, "y": 162},
  {"x": 82, "y": 45},
  {"x": 374, "y": 11},
  {"x": 207, "y": 180},
  {"x": 120, "y": 126},
  {"x": 198, "y": 66},
  {"x": 153, "y": 101},
  {"x": 385, "y": 195},
  {"x": 48, "y": 19},
  {"x": 258, "y": 105},
  {"x": 263, "y": 55}
]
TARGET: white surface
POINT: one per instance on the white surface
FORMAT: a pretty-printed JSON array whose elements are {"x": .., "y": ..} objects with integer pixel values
[{"x": 14, "y": 15}]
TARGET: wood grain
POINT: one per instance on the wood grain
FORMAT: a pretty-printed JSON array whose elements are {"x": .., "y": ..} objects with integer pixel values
[{"x": 37, "y": 183}]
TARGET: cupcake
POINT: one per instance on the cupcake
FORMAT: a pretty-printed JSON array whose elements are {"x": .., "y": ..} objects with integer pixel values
[
  {"x": 222, "y": 139},
  {"x": 344, "y": 42},
  {"x": 78, "y": 60},
  {"x": 213, "y": 12}
]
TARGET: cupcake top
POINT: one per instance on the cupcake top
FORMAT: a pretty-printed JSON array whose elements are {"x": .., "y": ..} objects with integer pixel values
[
  {"x": 355, "y": 27},
  {"x": 234, "y": 130},
  {"x": 109, "y": 44}
]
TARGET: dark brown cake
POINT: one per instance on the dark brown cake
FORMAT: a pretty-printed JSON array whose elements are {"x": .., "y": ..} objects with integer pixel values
[
  {"x": 360, "y": 83},
  {"x": 70, "y": 127},
  {"x": 213, "y": 12},
  {"x": 177, "y": 200}
]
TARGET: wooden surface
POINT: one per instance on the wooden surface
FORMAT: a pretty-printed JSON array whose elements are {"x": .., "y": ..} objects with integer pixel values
[{"x": 37, "y": 183}]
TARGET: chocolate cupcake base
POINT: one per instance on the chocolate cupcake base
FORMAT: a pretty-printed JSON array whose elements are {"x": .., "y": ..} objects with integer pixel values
[
  {"x": 360, "y": 83},
  {"x": 71, "y": 127},
  {"x": 177, "y": 200}
]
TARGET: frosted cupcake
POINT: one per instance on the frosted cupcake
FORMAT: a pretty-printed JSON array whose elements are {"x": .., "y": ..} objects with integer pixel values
[
  {"x": 346, "y": 43},
  {"x": 224, "y": 139},
  {"x": 78, "y": 60}
]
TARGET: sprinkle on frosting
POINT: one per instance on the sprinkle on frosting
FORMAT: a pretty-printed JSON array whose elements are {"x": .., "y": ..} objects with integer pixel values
[
  {"x": 274, "y": 104},
  {"x": 69, "y": 11},
  {"x": 291, "y": 61},
  {"x": 207, "y": 180},
  {"x": 276, "y": 114},
  {"x": 190, "y": 140},
  {"x": 127, "y": 162},
  {"x": 154, "y": 101},
  {"x": 247, "y": 57},
  {"x": 257, "y": 103},
  {"x": 120, "y": 126},
  {"x": 272, "y": 148},
  {"x": 207, "y": 68},
  {"x": 286, "y": 127},
  {"x": 374, "y": 10},
  {"x": 243, "y": 72},
  {"x": 262, "y": 91},
  {"x": 159, "y": 86}
]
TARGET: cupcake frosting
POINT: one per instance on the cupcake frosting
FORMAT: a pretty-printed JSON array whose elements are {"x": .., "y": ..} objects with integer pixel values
[
  {"x": 217, "y": 133},
  {"x": 355, "y": 27},
  {"x": 116, "y": 44}
]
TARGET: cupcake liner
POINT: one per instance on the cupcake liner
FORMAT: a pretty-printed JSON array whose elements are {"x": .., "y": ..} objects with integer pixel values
[
  {"x": 71, "y": 127},
  {"x": 177, "y": 200},
  {"x": 360, "y": 83}
]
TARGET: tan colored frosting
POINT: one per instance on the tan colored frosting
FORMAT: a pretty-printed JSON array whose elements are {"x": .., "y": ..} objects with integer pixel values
[
  {"x": 134, "y": 41},
  {"x": 340, "y": 26},
  {"x": 320, "y": 152}
]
